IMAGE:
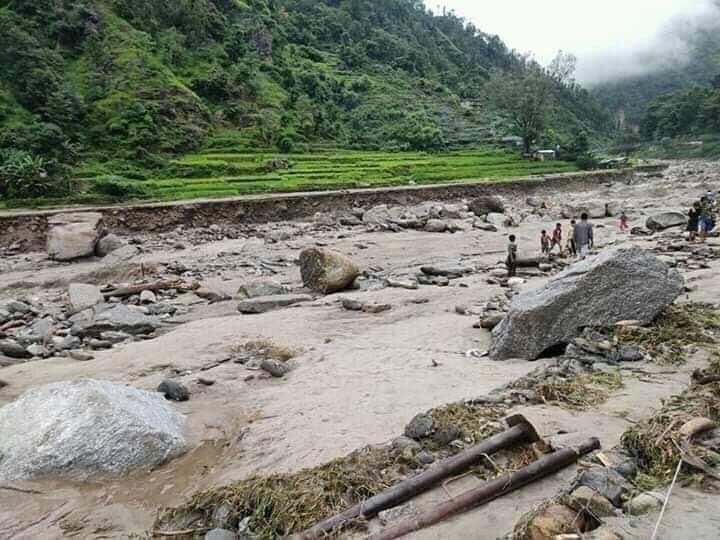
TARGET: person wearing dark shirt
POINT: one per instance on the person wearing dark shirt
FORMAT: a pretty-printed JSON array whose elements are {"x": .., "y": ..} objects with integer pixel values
[
  {"x": 693, "y": 221},
  {"x": 511, "y": 261},
  {"x": 583, "y": 235}
]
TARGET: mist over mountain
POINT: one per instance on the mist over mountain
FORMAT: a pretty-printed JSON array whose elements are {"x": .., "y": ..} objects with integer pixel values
[{"x": 685, "y": 53}]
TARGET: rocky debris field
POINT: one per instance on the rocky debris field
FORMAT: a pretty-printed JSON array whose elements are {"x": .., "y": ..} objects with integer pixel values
[{"x": 254, "y": 379}]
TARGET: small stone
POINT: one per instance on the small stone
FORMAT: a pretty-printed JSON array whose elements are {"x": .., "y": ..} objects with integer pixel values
[
  {"x": 97, "y": 344},
  {"x": 13, "y": 349},
  {"x": 426, "y": 458},
  {"x": 69, "y": 342},
  {"x": 275, "y": 368},
  {"x": 410, "y": 285},
  {"x": 107, "y": 244},
  {"x": 554, "y": 520},
  {"x": 403, "y": 443},
  {"x": 38, "y": 351},
  {"x": 222, "y": 516},
  {"x": 376, "y": 308},
  {"x": 80, "y": 356},
  {"x": 83, "y": 295},
  {"x": 148, "y": 297},
  {"x": 420, "y": 426},
  {"x": 491, "y": 321},
  {"x": 628, "y": 469},
  {"x": 607, "y": 482},
  {"x": 174, "y": 391},
  {"x": 113, "y": 337},
  {"x": 352, "y": 305},
  {"x": 256, "y": 289},
  {"x": 644, "y": 503},
  {"x": 161, "y": 309},
  {"x": 603, "y": 533},
  {"x": 584, "y": 498},
  {"x": 205, "y": 382},
  {"x": 264, "y": 304},
  {"x": 220, "y": 534},
  {"x": 398, "y": 513},
  {"x": 436, "y": 226},
  {"x": 444, "y": 435},
  {"x": 15, "y": 306},
  {"x": 440, "y": 281}
]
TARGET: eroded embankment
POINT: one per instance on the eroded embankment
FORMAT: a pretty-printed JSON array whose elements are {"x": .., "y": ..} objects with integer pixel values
[{"x": 30, "y": 227}]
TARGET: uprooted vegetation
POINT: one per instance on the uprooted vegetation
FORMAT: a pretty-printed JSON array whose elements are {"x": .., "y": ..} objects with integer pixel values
[
  {"x": 283, "y": 504},
  {"x": 580, "y": 392},
  {"x": 676, "y": 329},
  {"x": 656, "y": 443},
  {"x": 262, "y": 349}
]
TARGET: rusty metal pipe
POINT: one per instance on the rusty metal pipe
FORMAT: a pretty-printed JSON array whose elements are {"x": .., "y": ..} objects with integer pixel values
[
  {"x": 489, "y": 491},
  {"x": 520, "y": 431}
]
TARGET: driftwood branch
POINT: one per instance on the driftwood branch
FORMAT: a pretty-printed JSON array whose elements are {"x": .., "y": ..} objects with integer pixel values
[{"x": 124, "y": 292}]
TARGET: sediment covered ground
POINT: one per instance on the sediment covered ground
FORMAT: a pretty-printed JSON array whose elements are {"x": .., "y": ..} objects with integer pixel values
[{"x": 359, "y": 371}]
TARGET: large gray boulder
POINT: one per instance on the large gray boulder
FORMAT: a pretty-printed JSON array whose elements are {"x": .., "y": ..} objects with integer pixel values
[
  {"x": 72, "y": 236},
  {"x": 85, "y": 427},
  {"x": 617, "y": 284},
  {"x": 326, "y": 271},
  {"x": 665, "y": 220}
]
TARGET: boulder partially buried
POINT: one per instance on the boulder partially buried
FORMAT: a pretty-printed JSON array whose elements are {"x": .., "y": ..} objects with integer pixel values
[
  {"x": 326, "y": 271},
  {"x": 482, "y": 206},
  {"x": 72, "y": 236},
  {"x": 665, "y": 220},
  {"x": 626, "y": 283},
  {"x": 80, "y": 428}
]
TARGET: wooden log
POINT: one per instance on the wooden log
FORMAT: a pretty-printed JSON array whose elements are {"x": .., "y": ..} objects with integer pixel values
[
  {"x": 489, "y": 491},
  {"x": 520, "y": 431},
  {"x": 124, "y": 292}
]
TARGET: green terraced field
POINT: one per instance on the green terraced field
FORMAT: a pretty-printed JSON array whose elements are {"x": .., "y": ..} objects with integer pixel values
[
  {"x": 225, "y": 174},
  {"x": 215, "y": 174}
]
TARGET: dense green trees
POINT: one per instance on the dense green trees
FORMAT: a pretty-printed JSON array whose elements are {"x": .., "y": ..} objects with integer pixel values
[
  {"x": 134, "y": 81},
  {"x": 691, "y": 112}
]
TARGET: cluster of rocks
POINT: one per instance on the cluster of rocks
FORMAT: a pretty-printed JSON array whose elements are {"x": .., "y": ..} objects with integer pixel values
[
  {"x": 77, "y": 235},
  {"x": 487, "y": 213},
  {"x": 684, "y": 255},
  {"x": 90, "y": 320},
  {"x": 597, "y": 494}
]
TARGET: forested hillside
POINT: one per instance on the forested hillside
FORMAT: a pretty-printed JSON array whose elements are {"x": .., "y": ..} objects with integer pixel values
[{"x": 126, "y": 84}]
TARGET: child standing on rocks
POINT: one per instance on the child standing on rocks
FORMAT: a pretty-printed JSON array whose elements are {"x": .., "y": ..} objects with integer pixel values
[
  {"x": 511, "y": 261},
  {"x": 623, "y": 222},
  {"x": 544, "y": 243},
  {"x": 557, "y": 238}
]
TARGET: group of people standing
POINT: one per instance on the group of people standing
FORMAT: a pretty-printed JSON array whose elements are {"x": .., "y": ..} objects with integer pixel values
[
  {"x": 701, "y": 217},
  {"x": 579, "y": 242}
]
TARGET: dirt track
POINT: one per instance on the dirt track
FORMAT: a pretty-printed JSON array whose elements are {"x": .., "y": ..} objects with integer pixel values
[{"x": 357, "y": 378}]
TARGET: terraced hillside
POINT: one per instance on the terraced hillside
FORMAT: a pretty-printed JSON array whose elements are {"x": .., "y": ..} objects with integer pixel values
[
  {"x": 224, "y": 174},
  {"x": 122, "y": 88}
]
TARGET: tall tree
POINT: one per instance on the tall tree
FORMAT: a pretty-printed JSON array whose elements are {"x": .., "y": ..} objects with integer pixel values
[{"x": 525, "y": 101}]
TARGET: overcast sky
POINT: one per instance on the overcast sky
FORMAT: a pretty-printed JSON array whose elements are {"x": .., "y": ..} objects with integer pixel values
[{"x": 599, "y": 33}]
